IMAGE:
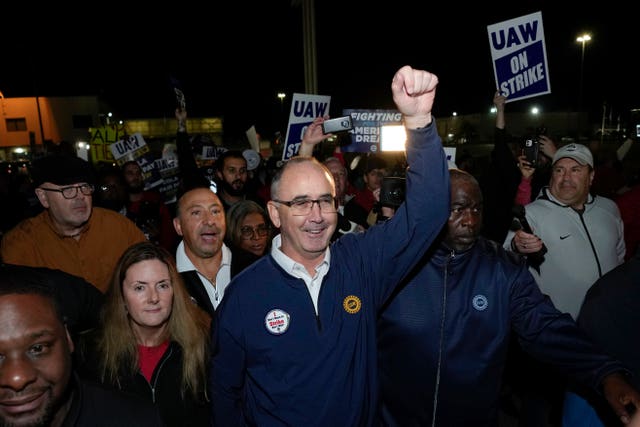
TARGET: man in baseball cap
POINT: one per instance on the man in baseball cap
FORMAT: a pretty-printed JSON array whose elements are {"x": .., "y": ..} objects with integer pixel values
[
  {"x": 578, "y": 152},
  {"x": 583, "y": 235}
]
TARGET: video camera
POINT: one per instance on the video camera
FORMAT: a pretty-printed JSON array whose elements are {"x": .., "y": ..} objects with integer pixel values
[{"x": 392, "y": 192}]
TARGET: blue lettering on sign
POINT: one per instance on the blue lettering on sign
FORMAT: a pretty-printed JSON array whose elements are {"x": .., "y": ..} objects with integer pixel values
[
  {"x": 517, "y": 36},
  {"x": 161, "y": 164},
  {"x": 309, "y": 109},
  {"x": 127, "y": 145},
  {"x": 292, "y": 150}
]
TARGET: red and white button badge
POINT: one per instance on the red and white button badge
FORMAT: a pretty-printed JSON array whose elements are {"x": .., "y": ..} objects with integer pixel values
[{"x": 277, "y": 321}]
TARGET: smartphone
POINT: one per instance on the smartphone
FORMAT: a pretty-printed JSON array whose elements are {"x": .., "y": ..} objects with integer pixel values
[
  {"x": 339, "y": 124},
  {"x": 530, "y": 150}
]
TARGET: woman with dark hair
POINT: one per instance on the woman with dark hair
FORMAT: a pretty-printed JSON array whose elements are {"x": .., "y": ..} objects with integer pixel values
[
  {"x": 249, "y": 233},
  {"x": 153, "y": 340}
]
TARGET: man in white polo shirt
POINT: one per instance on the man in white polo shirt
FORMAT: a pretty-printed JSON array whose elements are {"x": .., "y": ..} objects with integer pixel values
[{"x": 202, "y": 257}]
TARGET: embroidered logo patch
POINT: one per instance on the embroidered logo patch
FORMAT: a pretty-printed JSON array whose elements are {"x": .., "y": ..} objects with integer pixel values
[
  {"x": 277, "y": 321},
  {"x": 352, "y": 304},
  {"x": 480, "y": 302}
]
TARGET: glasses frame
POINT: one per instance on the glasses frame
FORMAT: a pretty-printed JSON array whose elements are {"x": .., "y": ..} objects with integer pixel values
[
  {"x": 378, "y": 173},
  {"x": 260, "y": 231},
  {"x": 296, "y": 209},
  {"x": 85, "y": 189}
]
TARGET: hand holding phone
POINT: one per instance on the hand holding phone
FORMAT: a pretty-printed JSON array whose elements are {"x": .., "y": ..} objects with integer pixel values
[
  {"x": 520, "y": 223},
  {"x": 339, "y": 124},
  {"x": 530, "y": 150}
]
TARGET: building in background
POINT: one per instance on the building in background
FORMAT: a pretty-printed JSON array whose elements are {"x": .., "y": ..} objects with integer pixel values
[{"x": 29, "y": 127}]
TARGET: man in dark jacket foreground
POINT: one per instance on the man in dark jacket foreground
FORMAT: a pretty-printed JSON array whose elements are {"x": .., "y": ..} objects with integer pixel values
[
  {"x": 443, "y": 336},
  {"x": 37, "y": 383}
]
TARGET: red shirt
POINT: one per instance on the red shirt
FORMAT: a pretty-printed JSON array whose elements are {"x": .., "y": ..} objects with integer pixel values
[
  {"x": 149, "y": 358},
  {"x": 365, "y": 199}
]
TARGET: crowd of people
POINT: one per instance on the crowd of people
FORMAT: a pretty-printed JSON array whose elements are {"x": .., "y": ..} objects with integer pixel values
[{"x": 306, "y": 298}]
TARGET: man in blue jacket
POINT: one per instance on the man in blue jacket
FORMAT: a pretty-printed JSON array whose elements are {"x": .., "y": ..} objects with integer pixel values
[
  {"x": 443, "y": 336},
  {"x": 295, "y": 335}
]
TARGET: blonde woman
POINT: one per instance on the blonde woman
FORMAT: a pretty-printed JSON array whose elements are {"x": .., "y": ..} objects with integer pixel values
[{"x": 153, "y": 340}]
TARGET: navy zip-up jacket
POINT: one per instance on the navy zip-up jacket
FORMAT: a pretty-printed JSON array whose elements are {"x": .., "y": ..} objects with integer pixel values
[
  {"x": 443, "y": 338},
  {"x": 276, "y": 363}
]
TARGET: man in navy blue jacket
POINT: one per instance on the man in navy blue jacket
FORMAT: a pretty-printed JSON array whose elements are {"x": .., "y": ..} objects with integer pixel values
[
  {"x": 443, "y": 336},
  {"x": 295, "y": 335}
]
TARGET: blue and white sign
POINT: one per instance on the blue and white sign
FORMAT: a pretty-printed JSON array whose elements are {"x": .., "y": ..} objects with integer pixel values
[
  {"x": 304, "y": 109},
  {"x": 365, "y": 136},
  {"x": 519, "y": 57},
  {"x": 134, "y": 147}
]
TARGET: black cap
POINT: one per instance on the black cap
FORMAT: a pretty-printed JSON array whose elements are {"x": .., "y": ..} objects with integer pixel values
[{"x": 61, "y": 169}]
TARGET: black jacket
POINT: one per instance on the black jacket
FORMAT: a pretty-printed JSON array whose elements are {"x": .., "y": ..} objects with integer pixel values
[
  {"x": 163, "y": 390},
  {"x": 443, "y": 337},
  {"x": 79, "y": 300},
  {"x": 94, "y": 405},
  {"x": 240, "y": 259}
]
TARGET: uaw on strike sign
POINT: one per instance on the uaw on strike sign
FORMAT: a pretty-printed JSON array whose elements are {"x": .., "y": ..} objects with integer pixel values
[
  {"x": 304, "y": 109},
  {"x": 519, "y": 57}
]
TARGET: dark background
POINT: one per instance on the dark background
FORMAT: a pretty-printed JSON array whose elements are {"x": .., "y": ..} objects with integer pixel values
[{"x": 232, "y": 58}]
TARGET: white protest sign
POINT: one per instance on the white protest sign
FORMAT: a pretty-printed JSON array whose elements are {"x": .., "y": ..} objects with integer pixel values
[
  {"x": 519, "y": 57},
  {"x": 129, "y": 148},
  {"x": 450, "y": 153},
  {"x": 304, "y": 108},
  {"x": 252, "y": 136},
  {"x": 134, "y": 147}
]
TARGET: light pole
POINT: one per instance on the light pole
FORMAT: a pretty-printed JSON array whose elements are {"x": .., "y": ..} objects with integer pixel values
[
  {"x": 584, "y": 38},
  {"x": 282, "y": 121},
  {"x": 282, "y": 96}
]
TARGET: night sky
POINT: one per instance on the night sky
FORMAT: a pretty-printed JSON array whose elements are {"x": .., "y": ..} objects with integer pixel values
[{"x": 232, "y": 59}]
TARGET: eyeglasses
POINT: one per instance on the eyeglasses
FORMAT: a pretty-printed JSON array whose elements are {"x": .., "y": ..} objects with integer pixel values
[
  {"x": 247, "y": 232},
  {"x": 302, "y": 207},
  {"x": 378, "y": 173},
  {"x": 72, "y": 191}
]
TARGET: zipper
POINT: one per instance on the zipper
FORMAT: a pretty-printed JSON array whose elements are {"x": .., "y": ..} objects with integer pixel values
[
  {"x": 156, "y": 374},
  {"x": 450, "y": 257}
]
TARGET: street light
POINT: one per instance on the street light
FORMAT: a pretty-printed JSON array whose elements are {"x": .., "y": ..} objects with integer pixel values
[
  {"x": 282, "y": 96},
  {"x": 283, "y": 121},
  {"x": 584, "y": 38}
]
